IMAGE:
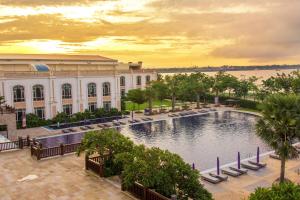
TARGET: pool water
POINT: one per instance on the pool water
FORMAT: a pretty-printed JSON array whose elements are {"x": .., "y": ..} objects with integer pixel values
[
  {"x": 197, "y": 139},
  {"x": 200, "y": 139}
]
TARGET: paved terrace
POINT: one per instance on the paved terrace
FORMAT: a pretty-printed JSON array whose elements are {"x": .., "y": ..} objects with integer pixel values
[{"x": 64, "y": 178}]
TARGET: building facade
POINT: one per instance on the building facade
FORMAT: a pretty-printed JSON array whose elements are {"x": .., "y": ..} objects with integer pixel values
[{"x": 48, "y": 84}]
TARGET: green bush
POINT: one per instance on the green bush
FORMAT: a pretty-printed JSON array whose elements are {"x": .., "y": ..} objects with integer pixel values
[
  {"x": 34, "y": 121},
  {"x": 284, "y": 191}
]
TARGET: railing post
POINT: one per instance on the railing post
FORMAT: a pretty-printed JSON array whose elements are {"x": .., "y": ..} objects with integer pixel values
[
  {"x": 145, "y": 193},
  {"x": 20, "y": 143},
  {"x": 86, "y": 158},
  {"x": 33, "y": 141},
  {"x": 101, "y": 170},
  {"x": 122, "y": 182},
  {"x": 62, "y": 149},
  {"x": 38, "y": 153},
  {"x": 28, "y": 140}
]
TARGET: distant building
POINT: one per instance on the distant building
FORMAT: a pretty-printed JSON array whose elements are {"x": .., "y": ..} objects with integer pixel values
[{"x": 48, "y": 84}]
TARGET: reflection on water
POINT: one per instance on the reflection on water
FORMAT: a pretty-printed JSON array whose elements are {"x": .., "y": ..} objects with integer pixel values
[{"x": 200, "y": 139}]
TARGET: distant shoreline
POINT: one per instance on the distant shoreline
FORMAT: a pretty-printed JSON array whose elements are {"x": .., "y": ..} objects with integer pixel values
[{"x": 225, "y": 68}]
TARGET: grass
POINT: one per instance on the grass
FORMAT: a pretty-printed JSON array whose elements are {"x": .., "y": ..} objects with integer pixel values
[
  {"x": 156, "y": 103},
  {"x": 249, "y": 110}
]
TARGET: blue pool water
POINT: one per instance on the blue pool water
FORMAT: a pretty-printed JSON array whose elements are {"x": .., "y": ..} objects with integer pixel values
[{"x": 197, "y": 139}]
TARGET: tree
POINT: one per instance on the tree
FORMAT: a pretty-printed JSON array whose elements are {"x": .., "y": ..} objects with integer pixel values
[
  {"x": 284, "y": 191},
  {"x": 243, "y": 87},
  {"x": 220, "y": 84},
  {"x": 2, "y": 100},
  {"x": 279, "y": 126},
  {"x": 173, "y": 84},
  {"x": 136, "y": 96},
  {"x": 161, "y": 90},
  {"x": 150, "y": 96}
]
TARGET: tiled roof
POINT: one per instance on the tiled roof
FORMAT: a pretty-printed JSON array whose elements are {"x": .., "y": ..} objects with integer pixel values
[{"x": 54, "y": 57}]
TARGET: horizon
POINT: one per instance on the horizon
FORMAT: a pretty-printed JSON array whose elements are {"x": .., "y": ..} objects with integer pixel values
[{"x": 171, "y": 33}]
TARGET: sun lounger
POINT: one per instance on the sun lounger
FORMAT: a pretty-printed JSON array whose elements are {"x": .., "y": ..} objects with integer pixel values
[
  {"x": 100, "y": 125},
  {"x": 212, "y": 109},
  {"x": 83, "y": 128},
  {"x": 131, "y": 121},
  {"x": 230, "y": 172},
  {"x": 241, "y": 170},
  {"x": 170, "y": 115},
  {"x": 250, "y": 166},
  {"x": 145, "y": 119},
  {"x": 137, "y": 120},
  {"x": 261, "y": 165},
  {"x": 89, "y": 127},
  {"x": 107, "y": 125},
  {"x": 123, "y": 123},
  {"x": 220, "y": 176},
  {"x": 275, "y": 156},
  {"x": 66, "y": 131},
  {"x": 210, "y": 179},
  {"x": 71, "y": 129}
]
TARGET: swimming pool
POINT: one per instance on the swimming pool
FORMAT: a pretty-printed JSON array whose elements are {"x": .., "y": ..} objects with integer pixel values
[{"x": 197, "y": 139}]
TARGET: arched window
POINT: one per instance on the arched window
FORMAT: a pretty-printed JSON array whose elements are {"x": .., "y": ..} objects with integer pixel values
[
  {"x": 92, "y": 90},
  {"x": 38, "y": 93},
  {"x": 19, "y": 93},
  {"x": 122, "y": 81},
  {"x": 148, "y": 79},
  {"x": 106, "y": 89},
  {"x": 139, "y": 80},
  {"x": 66, "y": 91}
]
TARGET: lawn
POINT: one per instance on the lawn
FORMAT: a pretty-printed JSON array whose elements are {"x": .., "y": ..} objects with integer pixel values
[{"x": 156, "y": 104}]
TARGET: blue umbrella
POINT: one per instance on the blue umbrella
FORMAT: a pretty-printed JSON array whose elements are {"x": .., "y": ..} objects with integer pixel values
[
  {"x": 239, "y": 160},
  {"x": 218, "y": 166},
  {"x": 193, "y": 165},
  {"x": 257, "y": 155}
]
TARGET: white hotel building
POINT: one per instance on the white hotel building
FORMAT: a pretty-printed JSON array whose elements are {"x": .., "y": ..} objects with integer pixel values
[{"x": 48, "y": 84}]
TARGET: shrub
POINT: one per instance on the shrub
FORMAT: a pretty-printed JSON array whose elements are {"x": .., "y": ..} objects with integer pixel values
[
  {"x": 34, "y": 121},
  {"x": 284, "y": 191}
]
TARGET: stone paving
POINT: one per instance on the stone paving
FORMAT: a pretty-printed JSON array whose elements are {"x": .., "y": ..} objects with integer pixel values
[{"x": 62, "y": 178}]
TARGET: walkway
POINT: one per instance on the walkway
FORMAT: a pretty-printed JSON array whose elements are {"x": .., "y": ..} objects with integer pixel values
[{"x": 62, "y": 178}]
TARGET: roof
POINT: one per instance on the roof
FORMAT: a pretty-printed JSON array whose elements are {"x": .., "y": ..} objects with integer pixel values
[{"x": 54, "y": 57}]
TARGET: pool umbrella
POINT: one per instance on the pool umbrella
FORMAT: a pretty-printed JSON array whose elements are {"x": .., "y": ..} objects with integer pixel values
[
  {"x": 218, "y": 166},
  {"x": 239, "y": 160},
  {"x": 257, "y": 155},
  {"x": 193, "y": 165}
]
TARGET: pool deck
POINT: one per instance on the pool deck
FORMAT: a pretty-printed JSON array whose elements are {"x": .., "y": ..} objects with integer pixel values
[{"x": 64, "y": 178}]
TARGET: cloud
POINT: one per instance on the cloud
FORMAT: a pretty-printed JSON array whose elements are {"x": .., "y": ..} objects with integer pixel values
[{"x": 21, "y": 3}]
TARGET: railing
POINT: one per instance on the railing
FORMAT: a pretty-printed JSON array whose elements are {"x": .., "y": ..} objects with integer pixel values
[
  {"x": 39, "y": 152},
  {"x": 141, "y": 192},
  {"x": 17, "y": 144}
]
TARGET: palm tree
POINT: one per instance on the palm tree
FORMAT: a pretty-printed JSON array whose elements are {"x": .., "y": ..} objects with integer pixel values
[
  {"x": 173, "y": 83},
  {"x": 279, "y": 126}
]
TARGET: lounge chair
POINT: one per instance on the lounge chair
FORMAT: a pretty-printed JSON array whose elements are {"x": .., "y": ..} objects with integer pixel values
[
  {"x": 137, "y": 120},
  {"x": 83, "y": 128},
  {"x": 89, "y": 127},
  {"x": 275, "y": 156},
  {"x": 123, "y": 123},
  {"x": 220, "y": 176},
  {"x": 71, "y": 129},
  {"x": 250, "y": 166},
  {"x": 241, "y": 170},
  {"x": 261, "y": 165},
  {"x": 107, "y": 125},
  {"x": 100, "y": 125},
  {"x": 66, "y": 131},
  {"x": 149, "y": 118},
  {"x": 230, "y": 172},
  {"x": 210, "y": 179}
]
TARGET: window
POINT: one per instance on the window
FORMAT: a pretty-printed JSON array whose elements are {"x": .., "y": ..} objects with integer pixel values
[
  {"x": 38, "y": 93},
  {"x": 66, "y": 91},
  {"x": 19, "y": 114},
  {"x": 148, "y": 79},
  {"x": 19, "y": 93},
  {"x": 92, "y": 106},
  {"x": 67, "y": 109},
  {"x": 92, "y": 90},
  {"x": 40, "y": 112},
  {"x": 41, "y": 67},
  {"x": 139, "y": 80},
  {"x": 122, "y": 81},
  {"x": 106, "y": 89},
  {"x": 107, "y": 105},
  {"x": 122, "y": 92}
]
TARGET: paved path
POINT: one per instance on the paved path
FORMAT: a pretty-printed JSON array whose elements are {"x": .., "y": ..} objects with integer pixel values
[{"x": 62, "y": 178}]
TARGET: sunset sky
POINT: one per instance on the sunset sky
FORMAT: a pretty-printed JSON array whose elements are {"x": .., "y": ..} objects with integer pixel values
[{"x": 157, "y": 32}]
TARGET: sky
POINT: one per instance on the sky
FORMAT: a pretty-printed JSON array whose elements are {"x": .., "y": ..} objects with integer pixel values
[{"x": 161, "y": 33}]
